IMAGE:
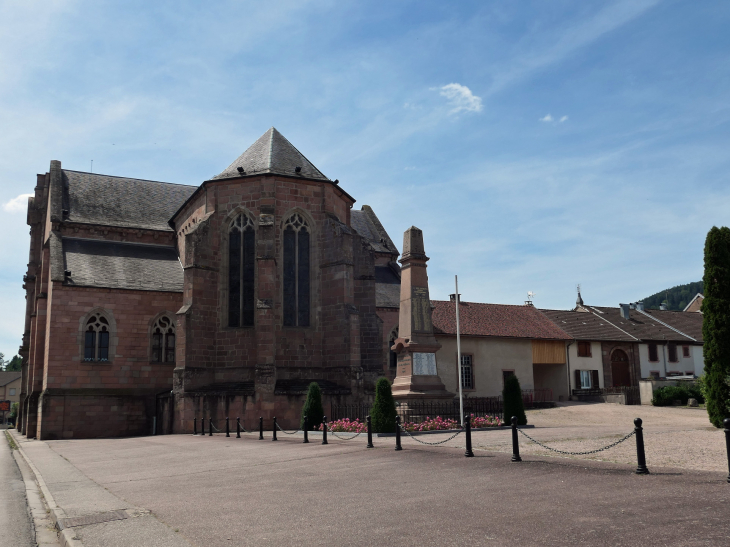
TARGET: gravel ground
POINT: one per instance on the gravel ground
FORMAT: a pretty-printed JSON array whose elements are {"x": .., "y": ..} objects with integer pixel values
[{"x": 674, "y": 437}]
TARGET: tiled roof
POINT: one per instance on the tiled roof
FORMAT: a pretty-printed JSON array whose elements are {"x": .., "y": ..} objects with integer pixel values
[
  {"x": 272, "y": 153},
  {"x": 586, "y": 326},
  {"x": 8, "y": 377},
  {"x": 687, "y": 322},
  {"x": 638, "y": 325},
  {"x": 387, "y": 286},
  {"x": 495, "y": 320},
  {"x": 117, "y": 201},
  {"x": 110, "y": 264},
  {"x": 367, "y": 224}
]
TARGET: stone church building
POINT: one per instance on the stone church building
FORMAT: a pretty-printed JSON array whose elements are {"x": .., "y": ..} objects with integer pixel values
[{"x": 155, "y": 303}]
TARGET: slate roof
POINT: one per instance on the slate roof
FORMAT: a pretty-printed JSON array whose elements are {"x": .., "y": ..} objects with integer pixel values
[
  {"x": 687, "y": 322},
  {"x": 387, "y": 286},
  {"x": 272, "y": 153},
  {"x": 115, "y": 265},
  {"x": 639, "y": 325},
  {"x": 500, "y": 320},
  {"x": 91, "y": 198},
  {"x": 8, "y": 377},
  {"x": 587, "y": 326},
  {"x": 367, "y": 224}
]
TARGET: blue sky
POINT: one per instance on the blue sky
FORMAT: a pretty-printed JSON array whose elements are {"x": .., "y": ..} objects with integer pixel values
[{"x": 537, "y": 144}]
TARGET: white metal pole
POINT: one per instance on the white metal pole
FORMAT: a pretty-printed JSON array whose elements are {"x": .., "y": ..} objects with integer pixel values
[{"x": 458, "y": 354}]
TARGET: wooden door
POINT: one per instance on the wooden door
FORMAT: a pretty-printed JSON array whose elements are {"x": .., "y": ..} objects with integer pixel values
[{"x": 620, "y": 369}]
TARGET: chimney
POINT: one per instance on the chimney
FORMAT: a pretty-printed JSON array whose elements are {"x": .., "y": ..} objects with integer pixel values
[
  {"x": 640, "y": 306},
  {"x": 528, "y": 303},
  {"x": 453, "y": 297},
  {"x": 663, "y": 306},
  {"x": 632, "y": 306},
  {"x": 624, "y": 311}
]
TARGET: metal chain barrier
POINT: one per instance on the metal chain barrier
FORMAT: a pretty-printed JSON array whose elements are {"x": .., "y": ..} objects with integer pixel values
[
  {"x": 577, "y": 453},
  {"x": 424, "y": 442},
  {"x": 287, "y": 432},
  {"x": 214, "y": 427},
  {"x": 347, "y": 438}
]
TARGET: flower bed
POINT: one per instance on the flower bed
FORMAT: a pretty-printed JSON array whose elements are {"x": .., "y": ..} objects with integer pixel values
[
  {"x": 346, "y": 425},
  {"x": 438, "y": 423}
]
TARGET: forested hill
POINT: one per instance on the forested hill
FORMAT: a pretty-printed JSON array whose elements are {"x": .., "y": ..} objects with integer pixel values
[{"x": 677, "y": 297}]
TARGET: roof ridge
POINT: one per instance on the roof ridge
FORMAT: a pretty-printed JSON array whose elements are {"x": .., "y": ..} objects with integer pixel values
[
  {"x": 129, "y": 178},
  {"x": 668, "y": 326},
  {"x": 616, "y": 327}
]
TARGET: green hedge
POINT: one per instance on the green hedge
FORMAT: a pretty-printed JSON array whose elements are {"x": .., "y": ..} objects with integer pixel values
[{"x": 665, "y": 396}]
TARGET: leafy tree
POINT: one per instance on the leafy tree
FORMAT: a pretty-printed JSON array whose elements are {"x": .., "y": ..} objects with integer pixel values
[
  {"x": 14, "y": 364},
  {"x": 312, "y": 407},
  {"x": 2, "y": 361},
  {"x": 383, "y": 412},
  {"x": 716, "y": 323},
  {"x": 513, "y": 404}
]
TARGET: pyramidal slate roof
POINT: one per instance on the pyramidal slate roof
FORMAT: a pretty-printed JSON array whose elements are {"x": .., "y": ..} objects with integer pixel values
[{"x": 272, "y": 153}]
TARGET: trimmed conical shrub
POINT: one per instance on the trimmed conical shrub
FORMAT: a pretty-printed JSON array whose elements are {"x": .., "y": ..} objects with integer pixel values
[
  {"x": 513, "y": 404},
  {"x": 312, "y": 407},
  {"x": 383, "y": 412},
  {"x": 716, "y": 324}
]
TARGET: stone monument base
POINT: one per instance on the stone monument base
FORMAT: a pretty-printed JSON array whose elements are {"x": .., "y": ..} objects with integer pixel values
[{"x": 420, "y": 388}]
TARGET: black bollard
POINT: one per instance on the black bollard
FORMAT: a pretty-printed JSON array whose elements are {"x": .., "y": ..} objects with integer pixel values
[
  {"x": 467, "y": 426},
  {"x": 195, "y": 426},
  {"x": 306, "y": 429},
  {"x": 261, "y": 428},
  {"x": 515, "y": 442},
  {"x": 274, "y": 429},
  {"x": 238, "y": 428},
  {"x": 370, "y": 432},
  {"x": 641, "y": 469},
  {"x": 397, "y": 433},
  {"x": 324, "y": 430},
  {"x": 228, "y": 429},
  {"x": 202, "y": 426},
  {"x": 726, "y": 423},
  {"x": 210, "y": 427}
]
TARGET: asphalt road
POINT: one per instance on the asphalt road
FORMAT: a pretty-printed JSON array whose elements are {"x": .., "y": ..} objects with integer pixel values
[
  {"x": 15, "y": 526},
  {"x": 222, "y": 492}
]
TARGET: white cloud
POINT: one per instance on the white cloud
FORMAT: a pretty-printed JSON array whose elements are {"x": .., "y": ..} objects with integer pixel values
[
  {"x": 564, "y": 119},
  {"x": 461, "y": 98},
  {"x": 546, "y": 118},
  {"x": 17, "y": 205}
]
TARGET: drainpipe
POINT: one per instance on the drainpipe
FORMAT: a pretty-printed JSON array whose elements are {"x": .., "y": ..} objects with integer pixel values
[{"x": 567, "y": 361}]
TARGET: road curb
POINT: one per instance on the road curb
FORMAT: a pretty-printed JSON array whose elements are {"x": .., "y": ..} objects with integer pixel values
[{"x": 66, "y": 537}]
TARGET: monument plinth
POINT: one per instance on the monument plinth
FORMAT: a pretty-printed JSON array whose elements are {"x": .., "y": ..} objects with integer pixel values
[{"x": 417, "y": 376}]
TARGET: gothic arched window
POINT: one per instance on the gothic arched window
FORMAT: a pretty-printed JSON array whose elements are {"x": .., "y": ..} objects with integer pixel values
[
  {"x": 96, "y": 338},
  {"x": 241, "y": 257},
  {"x": 163, "y": 341},
  {"x": 296, "y": 271}
]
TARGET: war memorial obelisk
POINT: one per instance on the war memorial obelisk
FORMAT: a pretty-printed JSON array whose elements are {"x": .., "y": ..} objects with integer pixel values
[{"x": 417, "y": 377}]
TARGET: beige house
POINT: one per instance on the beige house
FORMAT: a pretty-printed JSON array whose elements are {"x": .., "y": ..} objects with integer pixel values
[
  {"x": 9, "y": 391},
  {"x": 498, "y": 341}
]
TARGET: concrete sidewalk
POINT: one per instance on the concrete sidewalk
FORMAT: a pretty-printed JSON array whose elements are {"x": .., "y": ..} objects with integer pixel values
[
  {"x": 85, "y": 512},
  {"x": 220, "y": 491}
]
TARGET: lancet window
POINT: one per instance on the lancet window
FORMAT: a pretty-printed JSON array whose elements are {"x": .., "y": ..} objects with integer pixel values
[
  {"x": 163, "y": 340},
  {"x": 296, "y": 271},
  {"x": 241, "y": 271},
  {"x": 96, "y": 338}
]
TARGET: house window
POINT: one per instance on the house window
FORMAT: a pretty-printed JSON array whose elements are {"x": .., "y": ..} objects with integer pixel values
[
  {"x": 506, "y": 374},
  {"x": 653, "y": 354},
  {"x": 296, "y": 272},
  {"x": 241, "y": 257},
  {"x": 585, "y": 379},
  {"x": 685, "y": 351},
  {"x": 467, "y": 372},
  {"x": 12, "y": 391},
  {"x": 584, "y": 349},
  {"x": 96, "y": 338},
  {"x": 672, "y": 350},
  {"x": 163, "y": 341}
]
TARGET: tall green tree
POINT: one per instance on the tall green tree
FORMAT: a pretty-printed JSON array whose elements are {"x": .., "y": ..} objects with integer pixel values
[
  {"x": 512, "y": 400},
  {"x": 312, "y": 407},
  {"x": 14, "y": 364},
  {"x": 716, "y": 324},
  {"x": 382, "y": 414}
]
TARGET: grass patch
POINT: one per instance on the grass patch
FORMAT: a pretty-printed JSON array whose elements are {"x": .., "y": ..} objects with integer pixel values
[{"x": 11, "y": 441}]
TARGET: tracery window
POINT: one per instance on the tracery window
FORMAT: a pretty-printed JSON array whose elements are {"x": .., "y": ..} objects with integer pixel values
[
  {"x": 96, "y": 338},
  {"x": 296, "y": 271},
  {"x": 241, "y": 260},
  {"x": 163, "y": 340}
]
